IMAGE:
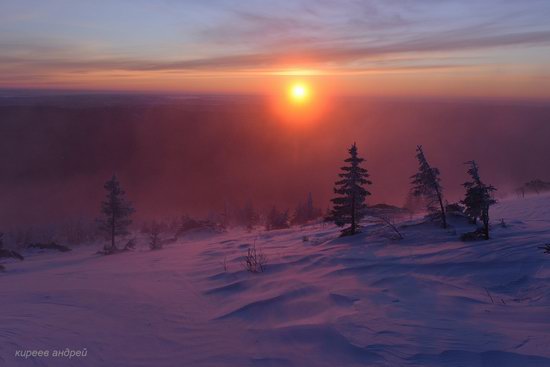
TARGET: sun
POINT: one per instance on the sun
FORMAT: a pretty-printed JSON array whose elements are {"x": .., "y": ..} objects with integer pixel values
[
  {"x": 299, "y": 93},
  {"x": 300, "y": 102}
]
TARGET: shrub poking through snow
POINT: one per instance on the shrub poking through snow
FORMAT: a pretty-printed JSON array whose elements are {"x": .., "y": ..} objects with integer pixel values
[
  {"x": 477, "y": 235},
  {"x": 349, "y": 206},
  {"x": 155, "y": 242},
  {"x": 130, "y": 245},
  {"x": 546, "y": 248},
  {"x": 427, "y": 185},
  {"x": 255, "y": 260},
  {"x": 389, "y": 221},
  {"x": 11, "y": 253},
  {"x": 8, "y": 253},
  {"x": 224, "y": 264},
  {"x": 116, "y": 212},
  {"x": 478, "y": 199}
]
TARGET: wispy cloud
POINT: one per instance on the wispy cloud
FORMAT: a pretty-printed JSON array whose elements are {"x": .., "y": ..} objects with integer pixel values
[
  {"x": 323, "y": 55},
  {"x": 250, "y": 36}
]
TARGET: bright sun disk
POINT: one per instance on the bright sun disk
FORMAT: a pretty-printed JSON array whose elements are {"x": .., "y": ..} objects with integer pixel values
[{"x": 299, "y": 93}]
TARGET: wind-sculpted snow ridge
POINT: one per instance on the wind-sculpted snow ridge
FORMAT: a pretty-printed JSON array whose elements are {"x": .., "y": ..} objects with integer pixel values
[{"x": 426, "y": 300}]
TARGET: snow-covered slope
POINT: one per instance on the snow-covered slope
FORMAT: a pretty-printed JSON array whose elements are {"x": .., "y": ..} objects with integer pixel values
[{"x": 427, "y": 300}]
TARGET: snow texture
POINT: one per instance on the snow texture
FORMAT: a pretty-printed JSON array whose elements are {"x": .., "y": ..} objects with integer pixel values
[{"x": 366, "y": 300}]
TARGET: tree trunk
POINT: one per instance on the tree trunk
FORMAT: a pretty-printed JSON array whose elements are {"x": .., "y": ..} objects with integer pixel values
[
  {"x": 486, "y": 223},
  {"x": 353, "y": 224},
  {"x": 443, "y": 216},
  {"x": 113, "y": 246}
]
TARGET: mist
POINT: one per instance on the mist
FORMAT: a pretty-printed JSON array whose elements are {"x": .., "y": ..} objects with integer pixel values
[{"x": 192, "y": 156}]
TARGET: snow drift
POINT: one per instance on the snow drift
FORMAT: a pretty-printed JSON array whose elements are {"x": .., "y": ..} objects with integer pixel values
[{"x": 427, "y": 300}]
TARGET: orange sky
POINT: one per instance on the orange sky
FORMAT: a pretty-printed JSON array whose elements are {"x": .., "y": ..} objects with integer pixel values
[{"x": 496, "y": 48}]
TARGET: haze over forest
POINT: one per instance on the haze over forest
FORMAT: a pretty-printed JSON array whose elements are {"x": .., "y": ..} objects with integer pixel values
[{"x": 184, "y": 154}]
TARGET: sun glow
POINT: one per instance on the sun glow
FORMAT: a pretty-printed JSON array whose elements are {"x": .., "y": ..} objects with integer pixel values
[
  {"x": 300, "y": 102},
  {"x": 299, "y": 93}
]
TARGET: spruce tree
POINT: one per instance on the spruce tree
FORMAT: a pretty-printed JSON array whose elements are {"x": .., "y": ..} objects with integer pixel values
[
  {"x": 427, "y": 184},
  {"x": 116, "y": 212},
  {"x": 478, "y": 199},
  {"x": 349, "y": 207},
  {"x": 250, "y": 217},
  {"x": 305, "y": 211}
]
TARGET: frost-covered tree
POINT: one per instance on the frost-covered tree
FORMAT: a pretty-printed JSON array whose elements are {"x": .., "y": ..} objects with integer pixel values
[
  {"x": 250, "y": 217},
  {"x": 116, "y": 211},
  {"x": 427, "y": 184},
  {"x": 306, "y": 211},
  {"x": 309, "y": 209},
  {"x": 473, "y": 198},
  {"x": 277, "y": 219},
  {"x": 155, "y": 242},
  {"x": 537, "y": 186},
  {"x": 225, "y": 215},
  {"x": 478, "y": 199},
  {"x": 79, "y": 231},
  {"x": 349, "y": 206}
]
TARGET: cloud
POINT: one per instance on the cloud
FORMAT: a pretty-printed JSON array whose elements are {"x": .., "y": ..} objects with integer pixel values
[
  {"x": 352, "y": 36},
  {"x": 314, "y": 56}
]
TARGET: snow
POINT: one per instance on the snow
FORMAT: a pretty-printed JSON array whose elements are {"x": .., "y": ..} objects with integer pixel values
[{"x": 427, "y": 300}]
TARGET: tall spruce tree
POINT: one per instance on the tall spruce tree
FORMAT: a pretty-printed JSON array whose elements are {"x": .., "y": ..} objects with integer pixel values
[
  {"x": 478, "y": 199},
  {"x": 427, "y": 184},
  {"x": 349, "y": 207},
  {"x": 117, "y": 212}
]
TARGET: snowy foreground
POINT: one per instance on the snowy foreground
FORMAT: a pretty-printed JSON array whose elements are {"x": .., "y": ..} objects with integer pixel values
[{"x": 427, "y": 300}]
